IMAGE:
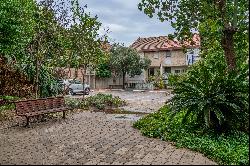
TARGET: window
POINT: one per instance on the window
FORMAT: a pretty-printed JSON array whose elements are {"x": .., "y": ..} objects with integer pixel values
[
  {"x": 168, "y": 54},
  {"x": 167, "y": 69},
  {"x": 74, "y": 81},
  {"x": 156, "y": 56},
  {"x": 151, "y": 71},
  {"x": 177, "y": 71}
]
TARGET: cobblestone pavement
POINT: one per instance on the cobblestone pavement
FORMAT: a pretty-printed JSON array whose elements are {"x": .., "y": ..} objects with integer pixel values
[
  {"x": 140, "y": 101},
  {"x": 89, "y": 138}
]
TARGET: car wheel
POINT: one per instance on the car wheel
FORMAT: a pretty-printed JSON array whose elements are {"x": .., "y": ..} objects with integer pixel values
[{"x": 87, "y": 91}]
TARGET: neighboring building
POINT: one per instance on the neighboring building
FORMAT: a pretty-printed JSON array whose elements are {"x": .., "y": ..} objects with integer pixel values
[
  {"x": 167, "y": 56},
  {"x": 91, "y": 78},
  {"x": 90, "y": 75}
]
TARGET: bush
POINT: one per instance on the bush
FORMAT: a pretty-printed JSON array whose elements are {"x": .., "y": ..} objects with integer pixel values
[
  {"x": 6, "y": 106},
  {"x": 101, "y": 101},
  {"x": 48, "y": 85},
  {"x": 157, "y": 81},
  {"x": 173, "y": 78},
  {"x": 9, "y": 98},
  {"x": 73, "y": 103},
  {"x": 214, "y": 97},
  {"x": 230, "y": 148}
]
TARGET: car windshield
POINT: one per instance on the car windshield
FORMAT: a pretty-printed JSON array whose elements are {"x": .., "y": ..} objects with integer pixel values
[
  {"x": 77, "y": 82},
  {"x": 74, "y": 81}
]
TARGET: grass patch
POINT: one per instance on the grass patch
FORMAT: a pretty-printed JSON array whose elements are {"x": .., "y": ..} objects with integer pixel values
[{"x": 227, "y": 148}]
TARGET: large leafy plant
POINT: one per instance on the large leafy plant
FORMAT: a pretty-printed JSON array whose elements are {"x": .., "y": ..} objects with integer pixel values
[
  {"x": 213, "y": 96},
  {"x": 230, "y": 148}
]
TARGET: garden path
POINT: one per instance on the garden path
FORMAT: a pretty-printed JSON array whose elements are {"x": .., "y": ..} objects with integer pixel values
[{"x": 90, "y": 138}]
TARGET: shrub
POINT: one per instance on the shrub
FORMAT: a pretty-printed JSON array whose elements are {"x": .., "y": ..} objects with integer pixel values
[
  {"x": 173, "y": 78},
  {"x": 101, "y": 101},
  {"x": 6, "y": 106},
  {"x": 214, "y": 97},
  {"x": 230, "y": 148},
  {"x": 48, "y": 85},
  {"x": 157, "y": 81},
  {"x": 73, "y": 103}
]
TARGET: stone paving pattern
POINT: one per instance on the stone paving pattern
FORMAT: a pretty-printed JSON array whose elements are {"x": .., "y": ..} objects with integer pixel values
[
  {"x": 91, "y": 138},
  {"x": 140, "y": 101}
]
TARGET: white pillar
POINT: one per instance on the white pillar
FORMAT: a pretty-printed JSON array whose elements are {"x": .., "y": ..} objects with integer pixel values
[{"x": 161, "y": 69}]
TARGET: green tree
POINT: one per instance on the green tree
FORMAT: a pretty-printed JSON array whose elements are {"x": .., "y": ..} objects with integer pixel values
[
  {"x": 125, "y": 60},
  {"x": 39, "y": 37},
  {"x": 44, "y": 45},
  {"x": 16, "y": 27},
  {"x": 86, "y": 43},
  {"x": 103, "y": 70},
  {"x": 16, "y": 31},
  {"x": 32, "y": 35},
  {"x": 219, "y": 21}
]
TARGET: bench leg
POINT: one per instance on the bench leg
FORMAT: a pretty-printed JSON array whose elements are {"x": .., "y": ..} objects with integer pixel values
[
  {"x": 64, "y": 113},
  {"x": 27, "y": 122}
]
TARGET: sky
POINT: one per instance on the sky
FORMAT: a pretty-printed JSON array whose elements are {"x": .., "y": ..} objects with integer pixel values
[{"x": 125, "y": 21}]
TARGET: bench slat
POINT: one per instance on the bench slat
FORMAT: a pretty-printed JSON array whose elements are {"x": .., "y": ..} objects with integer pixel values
[
  {"x": 29, "y": 108},
  {"x": 46, "y": 111},
  {"x": 39, "y": 106}
]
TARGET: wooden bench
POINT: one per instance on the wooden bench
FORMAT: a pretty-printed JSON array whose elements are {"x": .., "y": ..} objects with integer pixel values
[
  {"x": 34, "y": 107},
  {"x": 115, "y": 86}
]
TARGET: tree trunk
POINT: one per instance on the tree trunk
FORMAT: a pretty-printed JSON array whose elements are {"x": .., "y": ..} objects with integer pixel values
[
  {"x": 228, "y": 46},
  {"x": 123, "y": 79},
  {"x": 37, "y": 78},
  {"x": 83, "y": 81},
  {"x": 227, "y": 41},
  {"x": 66, "y": 87}
]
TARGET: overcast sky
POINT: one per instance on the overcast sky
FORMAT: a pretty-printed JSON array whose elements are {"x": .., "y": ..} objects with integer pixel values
[{"x": 125, "y": 21}]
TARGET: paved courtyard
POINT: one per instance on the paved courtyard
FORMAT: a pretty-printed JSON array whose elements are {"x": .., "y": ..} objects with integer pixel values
[
  {"x": 91, "y": 138},
  {"x": 147, "y": 102}
]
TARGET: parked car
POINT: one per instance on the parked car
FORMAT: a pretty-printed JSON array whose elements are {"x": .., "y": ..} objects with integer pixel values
[{"x": 75, "y": 86}]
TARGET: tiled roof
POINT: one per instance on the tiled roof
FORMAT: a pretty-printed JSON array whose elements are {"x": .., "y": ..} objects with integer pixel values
[{"x": 162, "y": 43}]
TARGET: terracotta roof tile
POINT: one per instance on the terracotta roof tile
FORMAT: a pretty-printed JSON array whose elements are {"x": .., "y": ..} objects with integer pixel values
[{"x": 162, "y": 43}]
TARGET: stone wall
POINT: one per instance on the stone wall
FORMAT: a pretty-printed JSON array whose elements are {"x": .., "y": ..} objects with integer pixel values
[
  {"x": 178, "y": 58},
  {"x": 103, "y": 83}
]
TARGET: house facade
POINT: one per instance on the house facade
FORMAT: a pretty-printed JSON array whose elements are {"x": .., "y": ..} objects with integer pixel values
[{"x": 167, "y": 56}]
